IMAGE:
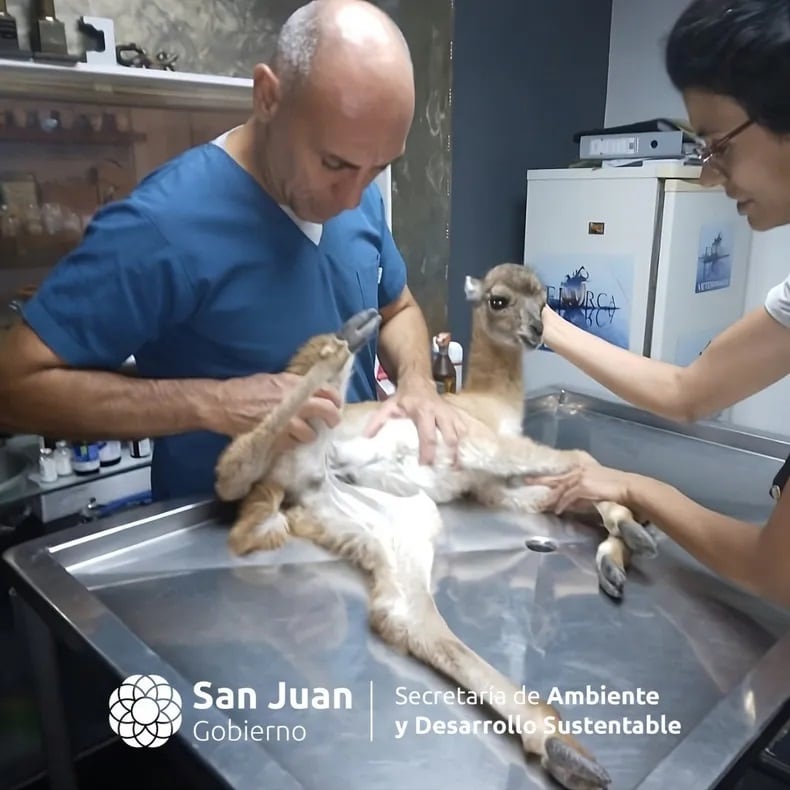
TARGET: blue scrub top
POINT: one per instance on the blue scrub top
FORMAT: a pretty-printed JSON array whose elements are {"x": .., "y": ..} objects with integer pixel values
[{"x": 200, "y": 274}]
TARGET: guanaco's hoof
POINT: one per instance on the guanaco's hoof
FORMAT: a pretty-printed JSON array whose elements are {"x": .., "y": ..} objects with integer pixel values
[
  {"x": 611, "y": 577},
  {"x": 638, "y": 539},
  {"x": 573, "y": 769}
]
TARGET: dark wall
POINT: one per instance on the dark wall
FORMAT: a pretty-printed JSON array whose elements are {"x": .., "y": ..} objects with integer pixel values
[{"x": 524, "y": 81}]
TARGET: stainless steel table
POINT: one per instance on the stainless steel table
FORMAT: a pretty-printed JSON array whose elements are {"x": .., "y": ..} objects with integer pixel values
[{"x": 162, "y": 595}]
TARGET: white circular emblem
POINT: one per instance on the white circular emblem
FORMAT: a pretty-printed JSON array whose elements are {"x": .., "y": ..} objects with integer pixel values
[{"x": 145, "y": 711}]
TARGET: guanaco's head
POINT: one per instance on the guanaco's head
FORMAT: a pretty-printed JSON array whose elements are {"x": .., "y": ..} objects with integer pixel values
[
  {"x": 334, "y": 352},
  {"x": 507, "y": 305}
]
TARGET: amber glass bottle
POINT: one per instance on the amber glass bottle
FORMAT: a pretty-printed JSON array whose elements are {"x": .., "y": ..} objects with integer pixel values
[{"x": 443, "y": 368}]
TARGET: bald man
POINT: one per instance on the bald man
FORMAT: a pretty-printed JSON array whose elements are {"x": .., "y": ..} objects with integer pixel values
[{"x": 223, "y": 261}]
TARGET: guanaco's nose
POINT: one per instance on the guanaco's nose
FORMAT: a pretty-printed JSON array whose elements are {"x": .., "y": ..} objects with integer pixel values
[{"x": 531, "y": 332}]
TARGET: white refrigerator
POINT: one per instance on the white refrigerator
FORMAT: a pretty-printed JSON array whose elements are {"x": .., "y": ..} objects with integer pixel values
[{"x": 644, "y": 257}]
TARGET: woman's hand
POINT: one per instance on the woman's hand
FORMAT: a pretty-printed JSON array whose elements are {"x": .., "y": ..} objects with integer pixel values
[{"x": 585, "y": 485}]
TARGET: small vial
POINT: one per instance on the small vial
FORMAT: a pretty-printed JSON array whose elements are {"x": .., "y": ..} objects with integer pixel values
[
  {"x": 443, "y": 369},
  {"x": 85, "y": 458},
  {"x": 109, "y": 453},
  {"x": 140, "y": 448},
  {"x": 47, "y": 467},
  {"x": 62, "y": 458}
]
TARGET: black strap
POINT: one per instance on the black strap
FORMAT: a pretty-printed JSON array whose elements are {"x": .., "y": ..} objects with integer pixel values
[{"x": 781, "y": 479}]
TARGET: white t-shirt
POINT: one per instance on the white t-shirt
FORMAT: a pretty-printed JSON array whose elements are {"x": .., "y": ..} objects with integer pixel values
[
  {"x": 777, "y": 303},
  {"x": 312, "y": 230}
]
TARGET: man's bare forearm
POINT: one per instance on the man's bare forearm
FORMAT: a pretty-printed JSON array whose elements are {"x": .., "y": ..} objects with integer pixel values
[
  {"x": 78, "y": 404},
  {"x": 404, "y": 346}
]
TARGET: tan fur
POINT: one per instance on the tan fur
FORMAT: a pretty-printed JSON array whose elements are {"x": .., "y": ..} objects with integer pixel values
[
  {"x": 495, "y": 388},
  {"x": 491, "y": 401},
  {"x": 491, "y": 370},
  {"x": 257, "y": 525},
  {"x": 404, "y": 614},
  {"x": 398, "y": 553},
  {"x": 252, "y": 453}
]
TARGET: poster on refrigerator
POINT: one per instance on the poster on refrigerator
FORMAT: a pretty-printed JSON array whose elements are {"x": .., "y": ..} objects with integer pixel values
[
  {"x": 593, "y": 292},
  {"x": 714, "y": 258}
]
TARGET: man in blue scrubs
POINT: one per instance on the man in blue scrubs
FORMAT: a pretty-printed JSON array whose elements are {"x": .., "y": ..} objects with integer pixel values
[{"x": 223, "y": 261}]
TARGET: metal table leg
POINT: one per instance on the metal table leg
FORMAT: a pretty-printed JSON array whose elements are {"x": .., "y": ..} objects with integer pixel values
[{"x": 49, "y": 699}]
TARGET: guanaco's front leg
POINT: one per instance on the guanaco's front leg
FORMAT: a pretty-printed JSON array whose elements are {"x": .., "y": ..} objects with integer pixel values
[
  {"x": 511, "y": 456},
  {"x": 621, "y": 523}
]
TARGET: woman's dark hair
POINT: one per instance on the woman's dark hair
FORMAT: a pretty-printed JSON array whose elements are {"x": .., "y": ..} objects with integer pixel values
[{"x": 736, "y": 48}]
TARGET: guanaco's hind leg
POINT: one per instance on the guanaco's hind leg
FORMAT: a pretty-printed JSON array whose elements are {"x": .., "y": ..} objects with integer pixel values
[
  {"x": 404, "y": 613},
  {"x": 259, "y": 525},
  {"x": 618, "y": 520},
  {"x": 423, "y": 632},
  {"x": 511, "y": 456}
]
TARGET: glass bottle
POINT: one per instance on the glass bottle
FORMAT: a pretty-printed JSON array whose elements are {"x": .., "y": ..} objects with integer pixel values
[
  {"x": 63, "y": 458},
  {"x": 47, "y": 469},
  {"x": 443, "y": 368}
]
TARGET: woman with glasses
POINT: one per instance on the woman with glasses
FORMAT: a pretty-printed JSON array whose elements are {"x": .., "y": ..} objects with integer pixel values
[{"x": 731, "y": 61}]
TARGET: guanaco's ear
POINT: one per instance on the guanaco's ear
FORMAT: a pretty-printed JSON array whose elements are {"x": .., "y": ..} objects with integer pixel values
[{"x": 473, "y": 288}]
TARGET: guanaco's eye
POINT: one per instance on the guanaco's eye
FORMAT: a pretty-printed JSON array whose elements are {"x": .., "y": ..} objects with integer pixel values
[{"x": 498, "y": 302}]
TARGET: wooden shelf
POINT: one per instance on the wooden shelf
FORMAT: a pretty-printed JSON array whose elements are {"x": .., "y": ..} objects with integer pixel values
[{"x": 13, "y": 134}]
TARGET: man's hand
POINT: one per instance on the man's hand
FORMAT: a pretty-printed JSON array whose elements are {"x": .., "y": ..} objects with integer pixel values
[
  {"x": 418, "y": 399},
  {"x": 584, "y": 485},
  {"x": 244, "y": 402}
]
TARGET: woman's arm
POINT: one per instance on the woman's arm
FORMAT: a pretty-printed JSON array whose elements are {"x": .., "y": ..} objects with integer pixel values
[
  {"x": 749, "y": 356},
  {"x": 755, "y": 557}
]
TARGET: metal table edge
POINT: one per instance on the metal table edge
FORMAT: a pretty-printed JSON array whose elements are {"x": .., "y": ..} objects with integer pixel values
[
  {"x": 706, "y": 739},
  {"x": 78, "y": 617},
  {"x": 707, "y": 751},
  {"x": 703, "y": 751},
  {"x": 556, "y": 398},
  {"x": 712, "y": 747}
]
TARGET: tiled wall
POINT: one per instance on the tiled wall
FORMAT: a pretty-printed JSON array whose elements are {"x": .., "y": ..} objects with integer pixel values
[{"x": 228, "y": 37}]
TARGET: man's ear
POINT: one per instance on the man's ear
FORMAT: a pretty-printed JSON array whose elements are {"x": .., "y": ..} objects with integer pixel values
[
  {"x": 473, "y": 288},
  {"x": 266, "y": 92}
]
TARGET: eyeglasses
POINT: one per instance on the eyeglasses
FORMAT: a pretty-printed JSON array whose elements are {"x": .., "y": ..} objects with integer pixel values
[{"x": 702, "y": 154}]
